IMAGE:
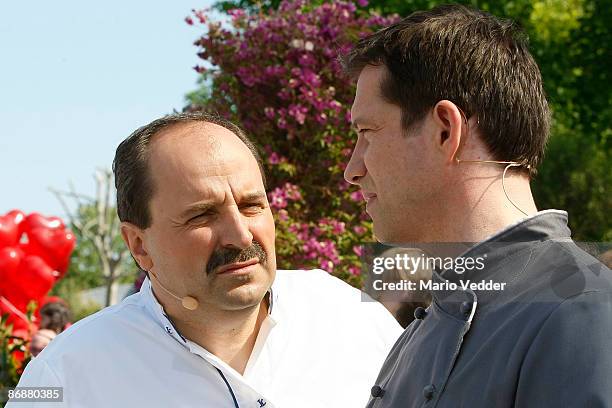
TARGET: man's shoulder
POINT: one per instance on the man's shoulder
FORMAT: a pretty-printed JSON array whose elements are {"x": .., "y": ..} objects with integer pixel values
[
  {"x": 313, "y": 281},
  {"x": 317, "y": 299},
  {"x": 584, "y": 318},
  {"x": 317, "y": 291},
  {"x": 561, "y": 282},
  {"x": 572, "y": 271},
  {"x": 96, "y": 330}
]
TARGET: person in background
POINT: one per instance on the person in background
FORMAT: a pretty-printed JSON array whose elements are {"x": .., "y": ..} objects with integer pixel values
[
  {"x": 40, "y": 340},
  {"x": 55, "y": 316}
]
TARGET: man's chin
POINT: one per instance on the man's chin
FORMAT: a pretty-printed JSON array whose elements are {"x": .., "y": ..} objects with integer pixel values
[
  {"x": 243, "y": 297},
  {"x": 380, "y": 234},
  {"x": 388, "y": 238},
  {"x": 246, "y": 290},
  {"x": 236, "y": 291}
]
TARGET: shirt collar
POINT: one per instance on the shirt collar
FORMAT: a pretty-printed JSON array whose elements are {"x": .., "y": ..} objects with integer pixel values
[
  {"x": 541, "y": 226},
  {"x": 161, "y": 318},
  {"x": 157, "y": 312}
]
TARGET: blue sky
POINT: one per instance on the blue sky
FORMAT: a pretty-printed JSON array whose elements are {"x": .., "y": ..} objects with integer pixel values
[{"x": 76, "y": 78}]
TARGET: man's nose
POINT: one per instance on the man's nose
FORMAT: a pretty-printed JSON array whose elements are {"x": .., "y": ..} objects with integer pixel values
[
  {"x": 235, "y": 230},
  {"x": 355, "y": 169}
]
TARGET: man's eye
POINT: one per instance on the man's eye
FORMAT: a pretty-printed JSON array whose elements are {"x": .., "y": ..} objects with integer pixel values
[
  {"x": 201, "y": 216},
  {"x": 253, "y": 208}
]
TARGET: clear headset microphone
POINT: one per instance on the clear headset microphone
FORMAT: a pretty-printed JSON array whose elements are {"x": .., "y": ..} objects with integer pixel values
[
  {"x": 507, "y": 163},
  {"x": 188, "y": 302}
]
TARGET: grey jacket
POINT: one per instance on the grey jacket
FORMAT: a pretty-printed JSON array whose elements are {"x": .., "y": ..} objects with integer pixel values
[{"x": 544, "y": 341}]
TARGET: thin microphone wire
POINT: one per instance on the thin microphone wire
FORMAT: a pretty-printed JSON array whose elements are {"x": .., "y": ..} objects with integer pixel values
[
  {"x": 188, "y": 302},
  {"x": 508, "y": 165},
  {"x": 504, "y": 186},
  {"x": 164, "y": 288}
]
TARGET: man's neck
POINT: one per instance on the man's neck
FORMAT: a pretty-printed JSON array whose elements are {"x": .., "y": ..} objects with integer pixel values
[
  {"x": 496, "y": 206},
  {"x": 229, "y": 335},
  {"x": 480, "y": 210}
]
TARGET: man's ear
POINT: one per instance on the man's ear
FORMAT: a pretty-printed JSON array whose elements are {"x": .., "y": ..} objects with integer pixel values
[
  {"x": 133, "y": 237},
  {"x": 449, "y": 123}
]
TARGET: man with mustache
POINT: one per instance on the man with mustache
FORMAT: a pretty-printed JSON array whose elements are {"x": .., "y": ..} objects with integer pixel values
[
  {"x": 452, "y": 122},
  {"x": 215, "y": 324}
]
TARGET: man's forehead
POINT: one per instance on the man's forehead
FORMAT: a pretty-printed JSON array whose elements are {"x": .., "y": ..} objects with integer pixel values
[
  {"x": 368, "y": 92},
  {"x": 197, "y": 134},
  {"x": 192, "y": 163},
  {"x": 206, "y": 144}
]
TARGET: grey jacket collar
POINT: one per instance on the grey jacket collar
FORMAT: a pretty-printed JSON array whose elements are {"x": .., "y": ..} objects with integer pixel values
[{"x": 505, "y": 254}]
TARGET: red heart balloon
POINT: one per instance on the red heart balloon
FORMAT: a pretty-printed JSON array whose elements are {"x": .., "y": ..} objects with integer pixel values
[
  {"x": 36, "y": 220},
  {"x": 16, "y": 317},
  {"x": 34, "y": 278},
  {"x": 18, "y": 299},
  {"x": 18, "y": 216},
  {"x": 10, "y": 258},
  {"x": 9, "y": 231},
  {"x": 51, "y": 299},
  {"x": 52, "y": 245},
  {"x": 28, "y": 249}
]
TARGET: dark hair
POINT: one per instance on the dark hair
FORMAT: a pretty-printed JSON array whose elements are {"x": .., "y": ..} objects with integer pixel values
[
  {"x": 471, "y": 58},
  {"x": 56, "y": 316},
  {"x": 132, "y": 178}
]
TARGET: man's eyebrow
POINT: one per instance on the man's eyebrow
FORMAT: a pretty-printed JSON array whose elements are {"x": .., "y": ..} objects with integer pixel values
[
  {"x": 207, "y": 205},
  {"x": 255, "y": 196}
]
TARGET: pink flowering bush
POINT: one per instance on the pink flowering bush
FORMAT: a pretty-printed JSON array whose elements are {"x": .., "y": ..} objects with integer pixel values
[{"x": 277, "y": 75}]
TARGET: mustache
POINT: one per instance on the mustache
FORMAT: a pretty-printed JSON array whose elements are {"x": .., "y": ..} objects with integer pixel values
[{"x": 226, "y": 256}]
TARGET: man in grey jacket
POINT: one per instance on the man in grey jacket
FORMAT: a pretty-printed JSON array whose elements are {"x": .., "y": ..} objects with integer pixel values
[{"x": 452, "y": 123}]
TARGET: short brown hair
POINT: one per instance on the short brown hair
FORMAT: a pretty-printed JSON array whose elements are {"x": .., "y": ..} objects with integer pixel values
[
  {"x": 132, "y": 179},
  {"x": 467, "y": 56},
  {"x": 55, "y": 316}
]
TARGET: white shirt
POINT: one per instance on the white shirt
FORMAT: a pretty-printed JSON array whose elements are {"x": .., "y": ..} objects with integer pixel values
[{"x": 321, "y": 345}]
